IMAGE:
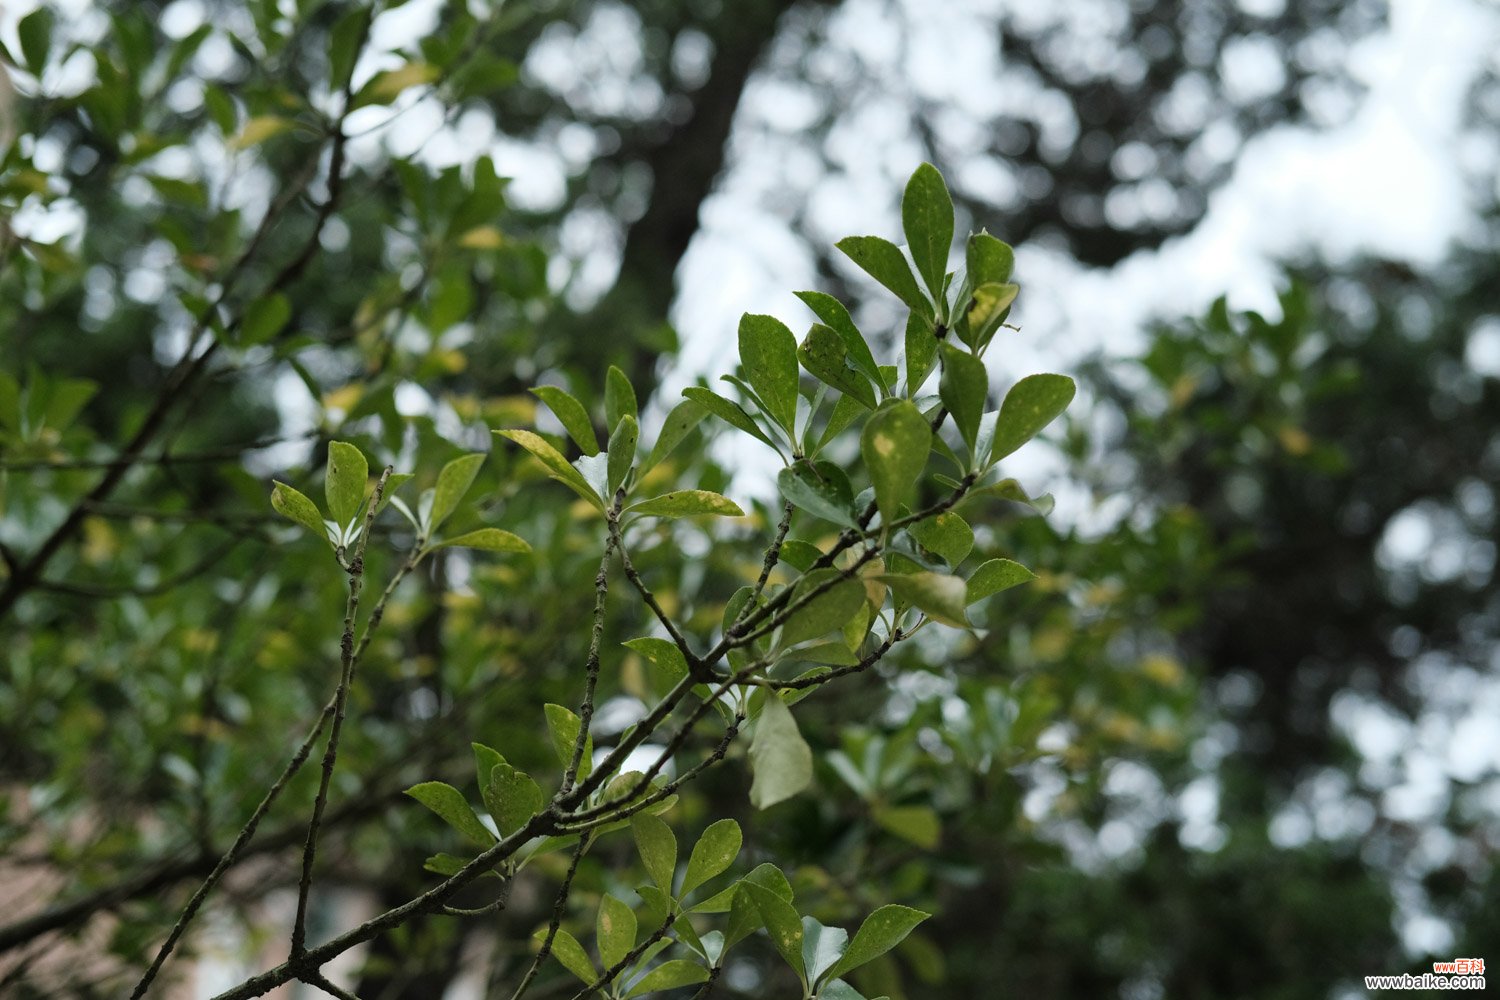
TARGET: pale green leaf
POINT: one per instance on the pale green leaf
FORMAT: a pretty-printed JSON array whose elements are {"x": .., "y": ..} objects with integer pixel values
[
  {"x": 452, "y": 483},
  {"x": 728, "y": 411},
  {"x": 684, "y": 417},
  {"x": 821, "y": 489},
  {"x": 823, "y": 354},
  {"x": 994, "y": 576},
  {"x": 669, "y": 976},
  {"x": 826, "y": 612},
  {"x": 779, "y": 756},
  {"x": 622, "y": 444},
  {"x": 1032, "y": 404},
  {"x": 947, "y": 535},
  {"x": 616, "y": 931},
  {"x": 964, "y": 388},
  {"x": 563, "y": 726},
  {"x": 619, "y": 398},
  {"x": 571, "y": 414},
  {"x": 557, "y": 466},
  {"x": 833, "y": 312},
  {"x": 687, "y": 503},
  {"x": 895, "y": 445},
  {"x": 940, "y": 596},
  {"x": 487, "y": 540},
  {"x": 927, "y": 220},
  {"x": 658, "y": 848},
  {"x": 768, "y": 352},
  {"x": 713, "y": 854},
  {"x": 289, "y": 503},
  {"x": 570, "y": 954},
  {"x": 882, "y": 260},
  {"x": 881, "y": 931},
  {"x": 346, "y": 478},
  {"x": 449, "y": 803}
]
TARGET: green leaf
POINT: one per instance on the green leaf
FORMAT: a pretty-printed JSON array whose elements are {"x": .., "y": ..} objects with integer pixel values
[
  {"x": 393, "y": 482},
  {"x": 35, "y": 31},
  {"x": 990, "y": 261},
  {"x": 921, "y": 353},
  {"x": 728, "y": 411},
  {"x": 343, "y": 46},
  {"x": 821, "y": 489},
  {"x": 449, "y": 803},
  {"x": 940, "y": 596},
  {"x": 684, "y": 417},
  {"x": 445, "y": 865},
  {"x": 918, "y": 824},
  {"x": 289, "y": 503},
  {"x": 265, "y": 318},
  {"x": 831, "y": 311},
  {"x": 881, "y": 931},
  {"x": 557, "y": 466},
  {"x": 669, "y": 976},
  {"x": 782, "y": 923},
  {"x": 487, "y": 540},
  {"x": 895, "y": 445},
  {"x": 386, "y": 86},
  {"x": 768, "y": 352},
  {"x": 616, "y": 931},
  {"x": 570, "y": 954},
  {"x": 821, "y": 947},
  {"x": 824, "y": 356},
  {"x": 344, "y": 486},
  {"x": 513, "y": 798},
  {"x": 563, "y": 725},
  {"x": 882, "y": 260},
  {"x": 452, "y": 483},
  {"x": 713, "y": 854},
  {"x": 946, "y": 535},
  {"x": 662, "y": 654},
  {"x": 571, "y": 414},
  {"x": 986, "y": 311},
  {"x": 622, "y": 451},
  {"x": 486, "y": 759},
  {"x": 619, "y": 398},
  {"x": 927, "y": 220},
  {"x": 995, "y": 576},
  {"x": 837, "y": 989},
  {"x": 687, "y": 503},
  {"x": 658, "y": 847},
  {"x": 744, "y": 916},
  {"x": 779, "y": 757},
  {"x": 1032, "y": 403},
  {"x": 824, "y": 613},
  {"x": 964, "y": 389},
  {"x": 800, "y": 555}
]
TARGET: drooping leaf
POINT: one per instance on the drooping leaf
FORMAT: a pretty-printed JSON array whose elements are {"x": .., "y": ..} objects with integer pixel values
[
  {"x": 994, "y": 576},
  {"x": 557, "y": 466},
  {"x": 821, "y": 489},
  {"x": 927, "y": 220},
  {"x": 452, "y": 483},
  {"x": 449, "y": 803},
  {"x": 669, "y": 976},
  {"x": 964, "y": 388},
  {"x": 823, "y": 354},
  {"x": 487, "y": 540},
  {"x": 616, "y": 929},
  {"x": 882, "y": 260},
  {"x": 619, "y": 398},
  {"x": 344, "y": 485},
  {"x": 622, "y": 451},
  {"x": 940, "y": 596},
  {"x": 779, "y": 757},
  {"x": 713, "y": 854},
  {"x": 687, "y": 503},
  {"x": 833, "y": 312},
  {"x": 881, "y": 931},
  {"x": 826, "y": 612},
  {"x": 658, "y": 849},
  {"x": 572, "y": 415},
  {"x": 895, "y": 445},
  {"x": 1032, "y": 404},
  {"x": 289, "y": 503},
  {"x": 768, "y": 352}
]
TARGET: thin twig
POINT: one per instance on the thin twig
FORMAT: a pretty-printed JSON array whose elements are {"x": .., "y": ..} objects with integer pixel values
[
  {"x": 591, "y": 661},
  {"x": 559, "y": 909},
  {"x": 773, "y": 553},
  {"x": 341, "y": 696}
]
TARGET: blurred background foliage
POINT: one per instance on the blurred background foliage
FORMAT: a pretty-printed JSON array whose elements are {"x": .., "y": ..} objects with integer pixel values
[{"x": 1237, "y": 740}]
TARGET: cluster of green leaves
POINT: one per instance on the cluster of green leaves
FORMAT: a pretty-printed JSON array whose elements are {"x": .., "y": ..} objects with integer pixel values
[{"x": 816, "y": 614}]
